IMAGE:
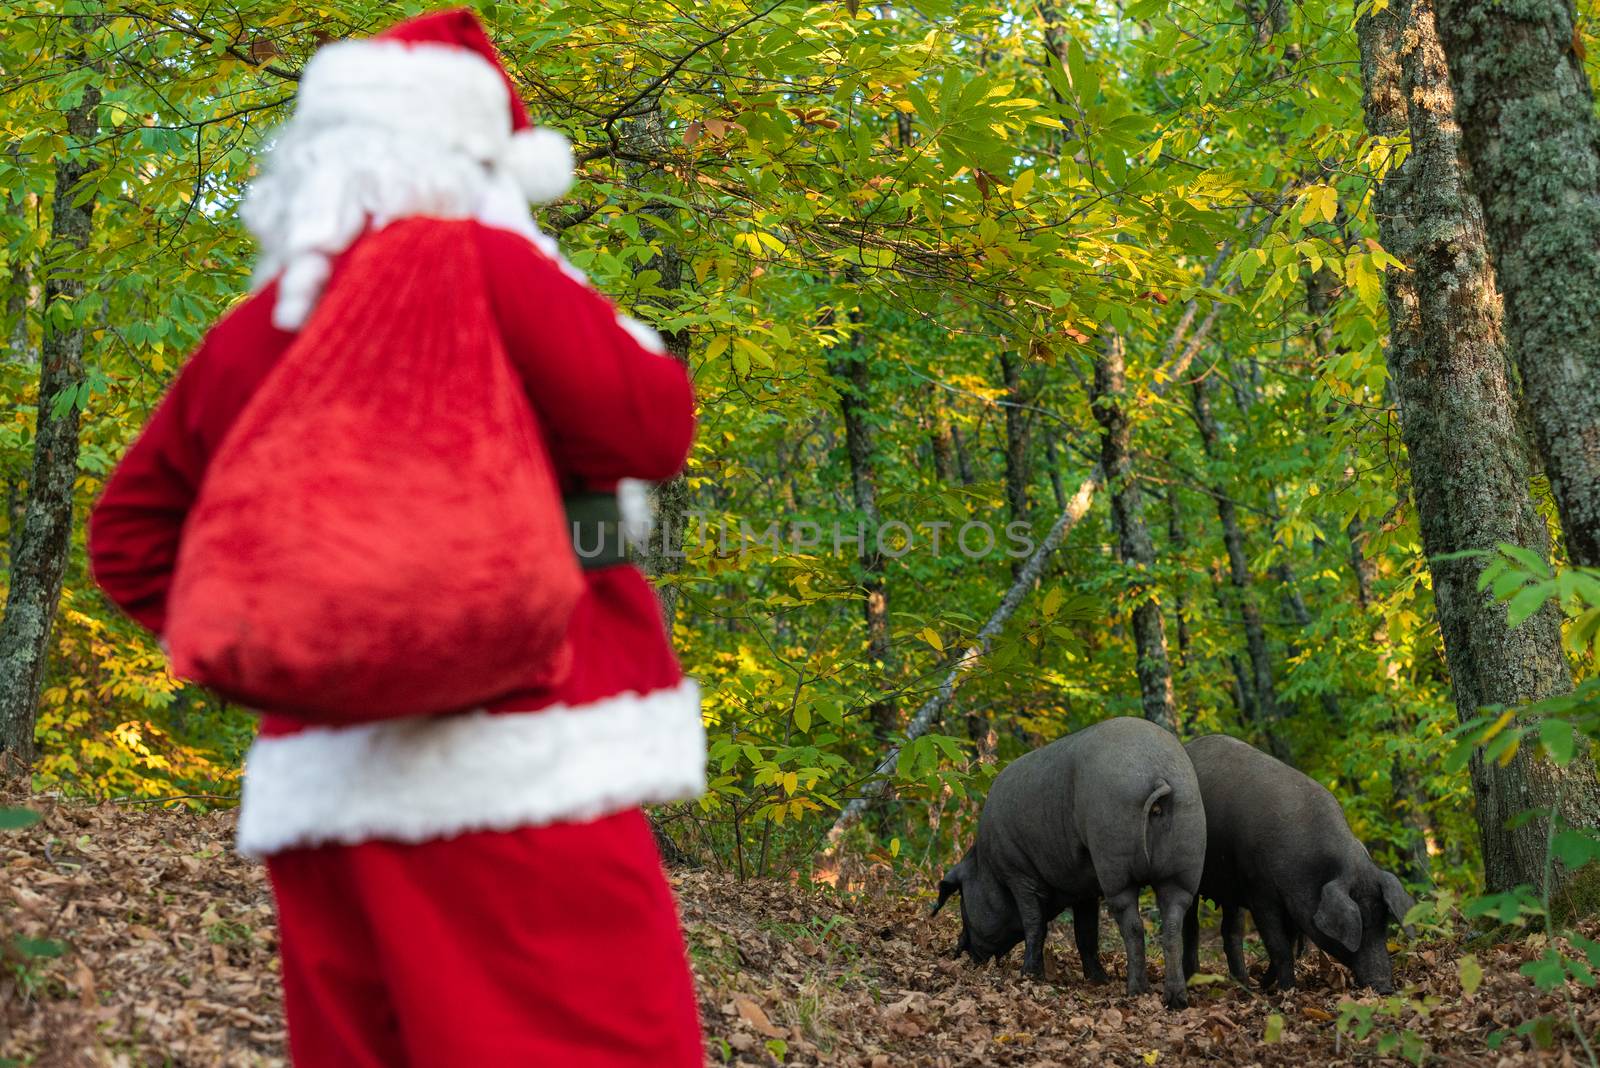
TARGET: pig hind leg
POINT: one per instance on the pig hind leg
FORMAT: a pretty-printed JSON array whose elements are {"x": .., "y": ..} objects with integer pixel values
[
  {"x": 1233, "y": 942},
  {"x": 1125, "y": 907},
  {"x": 1174, "y": 902},
  {"x": 1086, "y": 932},
  {"x": 1191, "y": 939}
]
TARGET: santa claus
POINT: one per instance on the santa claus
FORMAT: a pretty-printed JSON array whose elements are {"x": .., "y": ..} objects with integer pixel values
[{"x": 478, "y": 886}]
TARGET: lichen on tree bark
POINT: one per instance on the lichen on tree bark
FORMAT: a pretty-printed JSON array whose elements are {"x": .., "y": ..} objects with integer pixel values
[
  {"x": 40, "y": 557},
  {"x": 1470, "y": 467},
  {"x": 1529, "y": 132}
]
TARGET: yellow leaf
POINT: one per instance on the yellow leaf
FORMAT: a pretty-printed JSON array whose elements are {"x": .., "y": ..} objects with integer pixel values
[
  {"x": 1022, "y": 185},
  {"x": 1470, "y": 972},
  {"x": 931, "y": 636}
]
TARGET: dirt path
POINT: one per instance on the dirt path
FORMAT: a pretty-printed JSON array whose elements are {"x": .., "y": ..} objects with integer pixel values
[{"x": 167, "y": 944}]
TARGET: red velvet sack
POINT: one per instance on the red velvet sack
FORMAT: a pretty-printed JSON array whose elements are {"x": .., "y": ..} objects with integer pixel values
[{"x": 381, "y": 532}]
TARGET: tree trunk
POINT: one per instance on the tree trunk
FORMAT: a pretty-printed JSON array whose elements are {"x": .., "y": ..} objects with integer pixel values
[
  {"x": 1016, "y": 465},
  {"x": 1469, "y": 461},
  {"x": 850, "y": 370},
  {"x": 1133, "y": 536},
  {"x": 943, "y": 445},
  {"x": 663, "y": 556},
  {"x": 1177, "y": 542},
  {"x": 1016, "y": 439},
  {"x": 963, "y": 460},
  {"x": 1529, "y": 133},
  {"x": 1264, "y": 700},
  {"x": 46, "y": 538}
]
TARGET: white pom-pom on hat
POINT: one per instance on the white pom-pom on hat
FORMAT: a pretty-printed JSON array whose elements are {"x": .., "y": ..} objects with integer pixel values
[{"x": 540, "y": 159}]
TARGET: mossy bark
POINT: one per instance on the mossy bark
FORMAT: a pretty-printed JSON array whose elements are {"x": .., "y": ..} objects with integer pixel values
[
  {"x": 42, "y": 546},
  {"x": 1529, "y": 132},
  {"x": 1470, "y": 465},
  {"x": 1134, "y": 545}
]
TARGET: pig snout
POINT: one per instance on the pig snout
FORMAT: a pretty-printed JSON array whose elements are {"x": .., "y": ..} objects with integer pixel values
[{"x": 1373, "y": 967}]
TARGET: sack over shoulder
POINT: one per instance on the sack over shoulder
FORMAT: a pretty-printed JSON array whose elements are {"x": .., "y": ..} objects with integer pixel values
[{"x": 380, "y": 534}]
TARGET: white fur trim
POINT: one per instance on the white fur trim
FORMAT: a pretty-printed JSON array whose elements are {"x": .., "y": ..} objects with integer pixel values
[
  {"x": 445, "y": 94},
  {"x": 540, "y": 160},
  {"x": 643, "y": 333},
  {"x": 638, "y": 511},
  {"x": 411, "y": 780}
]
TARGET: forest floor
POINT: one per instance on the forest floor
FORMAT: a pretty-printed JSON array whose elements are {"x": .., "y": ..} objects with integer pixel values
[{"x": 165, "y": 943}]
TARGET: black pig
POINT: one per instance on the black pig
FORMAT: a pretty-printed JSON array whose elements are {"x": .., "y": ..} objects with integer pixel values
[
  {"x": 1277, "y": 844},
  {"x": 1099, "y": 813}
]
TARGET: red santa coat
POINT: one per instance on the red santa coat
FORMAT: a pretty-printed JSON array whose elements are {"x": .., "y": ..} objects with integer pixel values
[{"x": 620, "y": 729}]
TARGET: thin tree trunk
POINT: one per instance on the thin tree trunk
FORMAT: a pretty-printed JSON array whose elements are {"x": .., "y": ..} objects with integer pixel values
[
  {"x": 1177, "y": 543},
  {"x": 944, "y": 447},
  {"x": 1016, "y": 454},
  {"x": 1051, "y": 461},
  {"x": 1264, "y": 700},
  {"x": 1469, "y": 462},
  {"x": 1363, "y": 569},
  {"x": 1017, "y": 421},
  {"x": 45, "y": 542},
  {"x": 1134, "y": 545},
  {"x": 1528, "y": 130},
  {"x": 849, "y": 368},
  {"x": 963, "y": 460},
  {"x": 663, "y": 553}
]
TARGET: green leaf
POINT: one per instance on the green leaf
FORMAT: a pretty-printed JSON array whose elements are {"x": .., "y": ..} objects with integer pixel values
[
  {"x": 1556, "y": 737},
  {"x": 39, "y": 947},
  {"x": 15, "y": 819}
]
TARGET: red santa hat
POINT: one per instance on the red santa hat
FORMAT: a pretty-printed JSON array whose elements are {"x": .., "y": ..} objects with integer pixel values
[{"x": 438, "y": 76}]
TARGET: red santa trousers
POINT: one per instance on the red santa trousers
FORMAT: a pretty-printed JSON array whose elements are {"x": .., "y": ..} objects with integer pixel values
[{"x": 553, "y": 945}]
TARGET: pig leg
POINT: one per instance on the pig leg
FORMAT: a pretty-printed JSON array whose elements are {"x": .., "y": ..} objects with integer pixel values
[
  {"x": 1033, "y": 932},
  {"x": 1174, "y": 902},
  {"x": 1270, "y": 921},
  {"x": 1125, "y": 907},
  {"x": 1191, "y": 939},
  {"x": 1233, "y": 942},
  {"x": 1086, "y": 932}
]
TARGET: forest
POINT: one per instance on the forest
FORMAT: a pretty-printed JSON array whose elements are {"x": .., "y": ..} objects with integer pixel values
[{"x": 1228, "y": 364}]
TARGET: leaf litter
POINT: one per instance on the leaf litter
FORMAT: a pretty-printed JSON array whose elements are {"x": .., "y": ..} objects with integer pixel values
[{"x": 137, "y": 936}]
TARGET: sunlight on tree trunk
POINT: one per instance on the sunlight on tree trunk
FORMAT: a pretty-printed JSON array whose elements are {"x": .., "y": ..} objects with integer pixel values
[{"x": 1469, "y": 462}]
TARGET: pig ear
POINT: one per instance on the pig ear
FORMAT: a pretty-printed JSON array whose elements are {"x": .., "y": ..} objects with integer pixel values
[
  {"x": 1398, "y": 901},
  {"x": 1338, "y": 917},
  {"x": 950, "y": 884}
]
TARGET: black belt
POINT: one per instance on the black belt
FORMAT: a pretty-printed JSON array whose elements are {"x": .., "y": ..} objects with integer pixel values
[{"x": 594, "y": 521}]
